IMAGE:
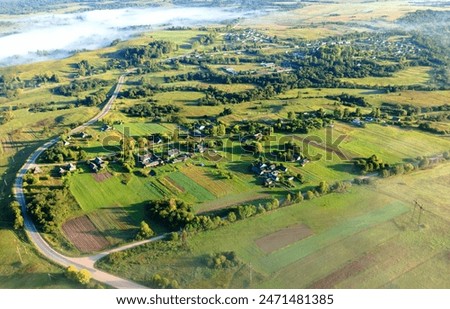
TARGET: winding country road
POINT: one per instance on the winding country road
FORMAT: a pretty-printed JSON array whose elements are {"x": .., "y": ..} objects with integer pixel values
[{"x": 42, "y": 246}]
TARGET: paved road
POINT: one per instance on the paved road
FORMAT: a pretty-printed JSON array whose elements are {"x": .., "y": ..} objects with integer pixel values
[{"x": 43, "y": 247}]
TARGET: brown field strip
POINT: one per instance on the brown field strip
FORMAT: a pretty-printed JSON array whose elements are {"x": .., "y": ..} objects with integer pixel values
[
  {"x": 82, "y": 233},
  {"x": 284, "y": 237},
  {"x": 100, "y": 177}
]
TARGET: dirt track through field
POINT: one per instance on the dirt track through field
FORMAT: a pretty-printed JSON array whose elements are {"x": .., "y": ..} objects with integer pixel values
[{"x": 284, "y": 237}]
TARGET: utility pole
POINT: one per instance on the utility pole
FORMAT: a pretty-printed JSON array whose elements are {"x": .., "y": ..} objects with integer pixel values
[
  {"x": 18, "y": 253},
  {"x": 251, "y": 275},
  {"x": 414, "y": 210},
  {"x": 420, "y": 215},
  {"x": 421, "y": 210}
]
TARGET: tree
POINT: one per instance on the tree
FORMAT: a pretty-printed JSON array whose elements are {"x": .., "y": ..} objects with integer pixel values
[
  {"x": 145, "y": 231},
  {"x": 221, "y": 130},
  {"x": 84, "y": 277},
  {"x": 174, "y": 236},
  {"x": 275, "y": 203},
  {"x": 310, "y": 195},
  {"x": 424, "y": 163},
  {"x": 231, "y": 216},
  {"x": 408, "y": 167},
  {"x": 7, "y": 116},
  {"x": 71, "y": 272},
  {"x": 258, "y": 147},
  {"x": 299, "y": 196},
  {"x": 288, "y": 198},
  {"x": 18, "y": 219},
  {"x": 323, "y": 187},
  {"x": 385, "y": 173}
]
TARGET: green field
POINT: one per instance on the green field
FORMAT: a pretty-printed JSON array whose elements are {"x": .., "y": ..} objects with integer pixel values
[
  {"x": 144, "y": 129},
  {"x": 189, "y": 185},
  {"x": 92, "y": 195},
  {"x": 366, "y": 238},
  {"x": 115, "y": 223},
  {"x": 409, "y": 76},
  {"x": 22, "y": 268}
]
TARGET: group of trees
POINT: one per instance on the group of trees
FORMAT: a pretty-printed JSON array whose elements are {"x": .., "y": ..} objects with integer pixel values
[
  {"x": 50, "y": 208},
  {"x": 137, "y": 55},
  {"x": 17, "y": 214},
  {"x": 60, "y": 153},
  {"x": 303, "y": 123},
  {"x": 45, "y": 77},
  {"x": 77, "y": 86},
  {"x": 178, "y": 214},
  {"x": 145, "y": 231},
  {"x": 152, "y": 110},
  {"x": 222, "y": 260},
  {"x": 161, "y": 282},
  {"x": 137, "y": 92},
  {"x": 371, "y": 164},
  {"x": 349, "y": 100},
  {"x": 81, "y": 276},
  {"x": 95, "y": 98}
]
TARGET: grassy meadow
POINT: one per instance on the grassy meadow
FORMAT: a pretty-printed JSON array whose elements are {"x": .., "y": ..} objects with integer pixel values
[
  {"x": 365, "y": 238},
  {"x": 23, "y": 268}
]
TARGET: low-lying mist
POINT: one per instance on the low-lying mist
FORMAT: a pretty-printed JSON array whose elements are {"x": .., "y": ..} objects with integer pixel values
[{"x": 54, "y": 36}]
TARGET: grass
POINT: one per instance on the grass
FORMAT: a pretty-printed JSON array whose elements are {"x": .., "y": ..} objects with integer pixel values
[
  {"x": 299, "y": 250},
  {"x": 115, "y": 224},
  {"x": 190, "y": 186},
  {"x": 144, "y": 128},
  {"x": 22, "y": 268},
  {"x": 391, "y": 143},
  {"x": 92, "y": 195},
  {"x": 409, "y": 76},
  {"x": 362, "y": 239}
]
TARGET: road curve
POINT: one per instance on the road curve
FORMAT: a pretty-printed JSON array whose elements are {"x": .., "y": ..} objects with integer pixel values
[{"x": 34, "y": 236}]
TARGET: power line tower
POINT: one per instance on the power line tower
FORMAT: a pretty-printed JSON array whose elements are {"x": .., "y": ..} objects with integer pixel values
[{"x": 421, "y": 210}]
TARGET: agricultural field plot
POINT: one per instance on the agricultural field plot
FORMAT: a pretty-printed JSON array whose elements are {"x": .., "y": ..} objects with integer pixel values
[
  {"x": 430, "y": 188},
  {"x": 217, "y": 185},
  {"x": 191, "y": 187},
  {"x": 409, "y": 76},
  {"x": 253, "y": 197},
  {"x": 179, "y": 98},
  {"x": 144, "y": 128},
  {"x": 352, "y": 234},
  {"x": 92, "y": 195},
  {"x": 84, "y": 235},
  {"x": 416, "y": 98},
  {"x": 114, "y": 223},
  {"x": 284, "y": 237},
  {"x": 391, "y": 143}
]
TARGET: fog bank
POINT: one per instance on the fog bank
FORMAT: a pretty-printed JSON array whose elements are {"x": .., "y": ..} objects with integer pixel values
[{"x": 59, "y": 35}]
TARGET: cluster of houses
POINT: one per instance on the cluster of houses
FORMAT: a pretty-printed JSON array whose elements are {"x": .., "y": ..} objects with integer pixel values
[
  {"x": 96, "y": 164},
  {"x": 174, "y": 155},
  {"x": 71, "y": 167},
  {"x": 248, "y": 35},
  {"x": 271, "y": 172}
]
